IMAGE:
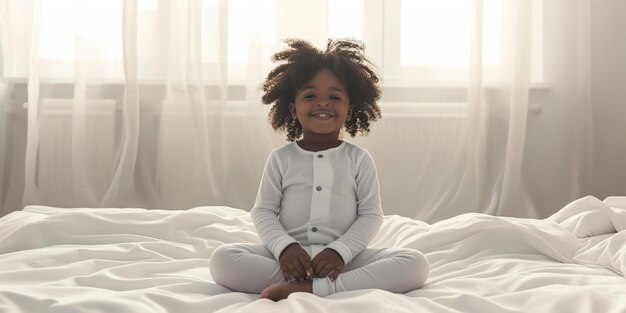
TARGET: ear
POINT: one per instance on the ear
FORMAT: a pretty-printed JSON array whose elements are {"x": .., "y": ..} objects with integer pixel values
[
  {"x": 349, "y": 113},
  {"x": 292, "y": 110}
]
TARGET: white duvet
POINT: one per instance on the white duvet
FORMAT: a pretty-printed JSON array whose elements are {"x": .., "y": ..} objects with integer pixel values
[{"x": 137, "y": 260}]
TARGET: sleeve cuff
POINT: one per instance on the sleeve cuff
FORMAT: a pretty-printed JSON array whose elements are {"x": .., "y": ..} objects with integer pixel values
[
  {"x": 281, "y": 245},
  {"x": 342, "y": 249}
]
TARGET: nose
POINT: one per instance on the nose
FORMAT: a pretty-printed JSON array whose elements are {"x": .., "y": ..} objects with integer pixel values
[{"x": 323, "y": 103}]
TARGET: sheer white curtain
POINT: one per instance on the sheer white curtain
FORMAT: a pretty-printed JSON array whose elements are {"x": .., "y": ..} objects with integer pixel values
[
  {"x": 128, "y": 101},
  {"x": 465, "y": 154},
  {"x": 155, "y": 103}
]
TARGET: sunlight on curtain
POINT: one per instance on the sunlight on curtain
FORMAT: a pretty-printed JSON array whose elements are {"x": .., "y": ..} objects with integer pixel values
[{"x": 156, "y": 103}]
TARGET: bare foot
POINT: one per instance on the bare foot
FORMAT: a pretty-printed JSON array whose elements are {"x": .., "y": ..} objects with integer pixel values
[{"x": 282, "y": 290}]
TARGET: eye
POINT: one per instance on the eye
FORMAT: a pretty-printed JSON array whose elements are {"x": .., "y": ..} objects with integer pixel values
[
  {"x": 336, "y": 98},
  {"x": 309, "y": 96}
]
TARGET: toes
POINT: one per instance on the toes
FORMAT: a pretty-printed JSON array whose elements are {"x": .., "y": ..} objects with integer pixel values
[{"x": 265, "y": 294}]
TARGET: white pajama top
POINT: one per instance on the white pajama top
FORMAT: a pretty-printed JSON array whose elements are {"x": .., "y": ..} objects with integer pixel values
[{"x": 329, "y": 197}]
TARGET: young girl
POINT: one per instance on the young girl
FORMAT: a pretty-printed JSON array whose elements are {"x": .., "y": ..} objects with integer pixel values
[{"x": 318, "y": 204}]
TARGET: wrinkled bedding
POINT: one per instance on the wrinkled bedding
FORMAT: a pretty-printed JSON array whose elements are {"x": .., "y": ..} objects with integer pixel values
[{"x": 138, "y": 260}]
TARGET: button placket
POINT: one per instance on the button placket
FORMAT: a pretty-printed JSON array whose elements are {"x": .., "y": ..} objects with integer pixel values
[{"x": 323, "y": 177}]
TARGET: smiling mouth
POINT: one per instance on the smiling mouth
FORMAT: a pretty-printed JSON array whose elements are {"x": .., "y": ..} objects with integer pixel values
[{"x": 322, "y": 116}]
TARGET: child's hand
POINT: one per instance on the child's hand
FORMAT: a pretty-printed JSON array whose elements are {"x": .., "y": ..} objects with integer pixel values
[
  {"x": 295, "y": 262},
  {"x": 327, "y": 262}
]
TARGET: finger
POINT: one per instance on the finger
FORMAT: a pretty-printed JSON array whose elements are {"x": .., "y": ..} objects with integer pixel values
[
  {"x": 308, "y": 272},
  {"x": 286, "y": 275},
  {"x": 286, "y": 269},
  {"x": 302, "y": 268},
  {"x": 296, "y": 270},
  {"x": 304, "y": 259},
  {"x": 326, "y": 269},
  {"x": 306, "y": 264},
  {"x": 324, "y": 266},
  {"x": 314, "y": 263},
  {"x": 317, "y": 268},
  {"x": 335, "y": 274}
]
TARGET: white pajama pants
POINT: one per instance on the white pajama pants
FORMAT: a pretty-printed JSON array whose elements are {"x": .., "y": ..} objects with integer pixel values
[{"x": 252, "y": 267}]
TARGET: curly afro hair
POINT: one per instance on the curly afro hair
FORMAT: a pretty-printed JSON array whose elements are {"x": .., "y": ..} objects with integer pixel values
[{"x": 301, "y": 61}]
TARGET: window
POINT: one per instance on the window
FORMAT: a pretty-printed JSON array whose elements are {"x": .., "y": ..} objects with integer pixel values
[
  {"x": 429, "y": 44},
  {"x": 414, "y": 42}
]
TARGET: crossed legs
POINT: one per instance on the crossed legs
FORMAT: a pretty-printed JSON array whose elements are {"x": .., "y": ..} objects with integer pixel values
[{"x": 252, "y": 268}]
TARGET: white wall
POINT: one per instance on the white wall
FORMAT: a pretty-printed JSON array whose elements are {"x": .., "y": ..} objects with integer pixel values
[
  {"x": 609, "y": 98},
  {"x": 548, "y": 168},
  {"x": 547, "y": 165}
]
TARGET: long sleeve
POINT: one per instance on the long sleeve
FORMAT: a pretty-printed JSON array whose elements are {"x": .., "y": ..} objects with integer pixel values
[
  {"x": 369, "y": 212},
  {"x": 266, "y": 208}
]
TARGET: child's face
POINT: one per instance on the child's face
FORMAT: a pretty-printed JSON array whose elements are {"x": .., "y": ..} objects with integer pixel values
[{"x": 322, "y": 105}]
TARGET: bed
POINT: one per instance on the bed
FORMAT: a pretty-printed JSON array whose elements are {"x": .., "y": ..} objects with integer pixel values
[{"x": 139, "y": 260}]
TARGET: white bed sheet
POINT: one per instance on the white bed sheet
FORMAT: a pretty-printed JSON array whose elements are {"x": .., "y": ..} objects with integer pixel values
[{"x": 137, "y": 260}]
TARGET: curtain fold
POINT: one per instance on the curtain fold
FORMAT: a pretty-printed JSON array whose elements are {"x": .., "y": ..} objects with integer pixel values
[{"x": 121, "y": 186}]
